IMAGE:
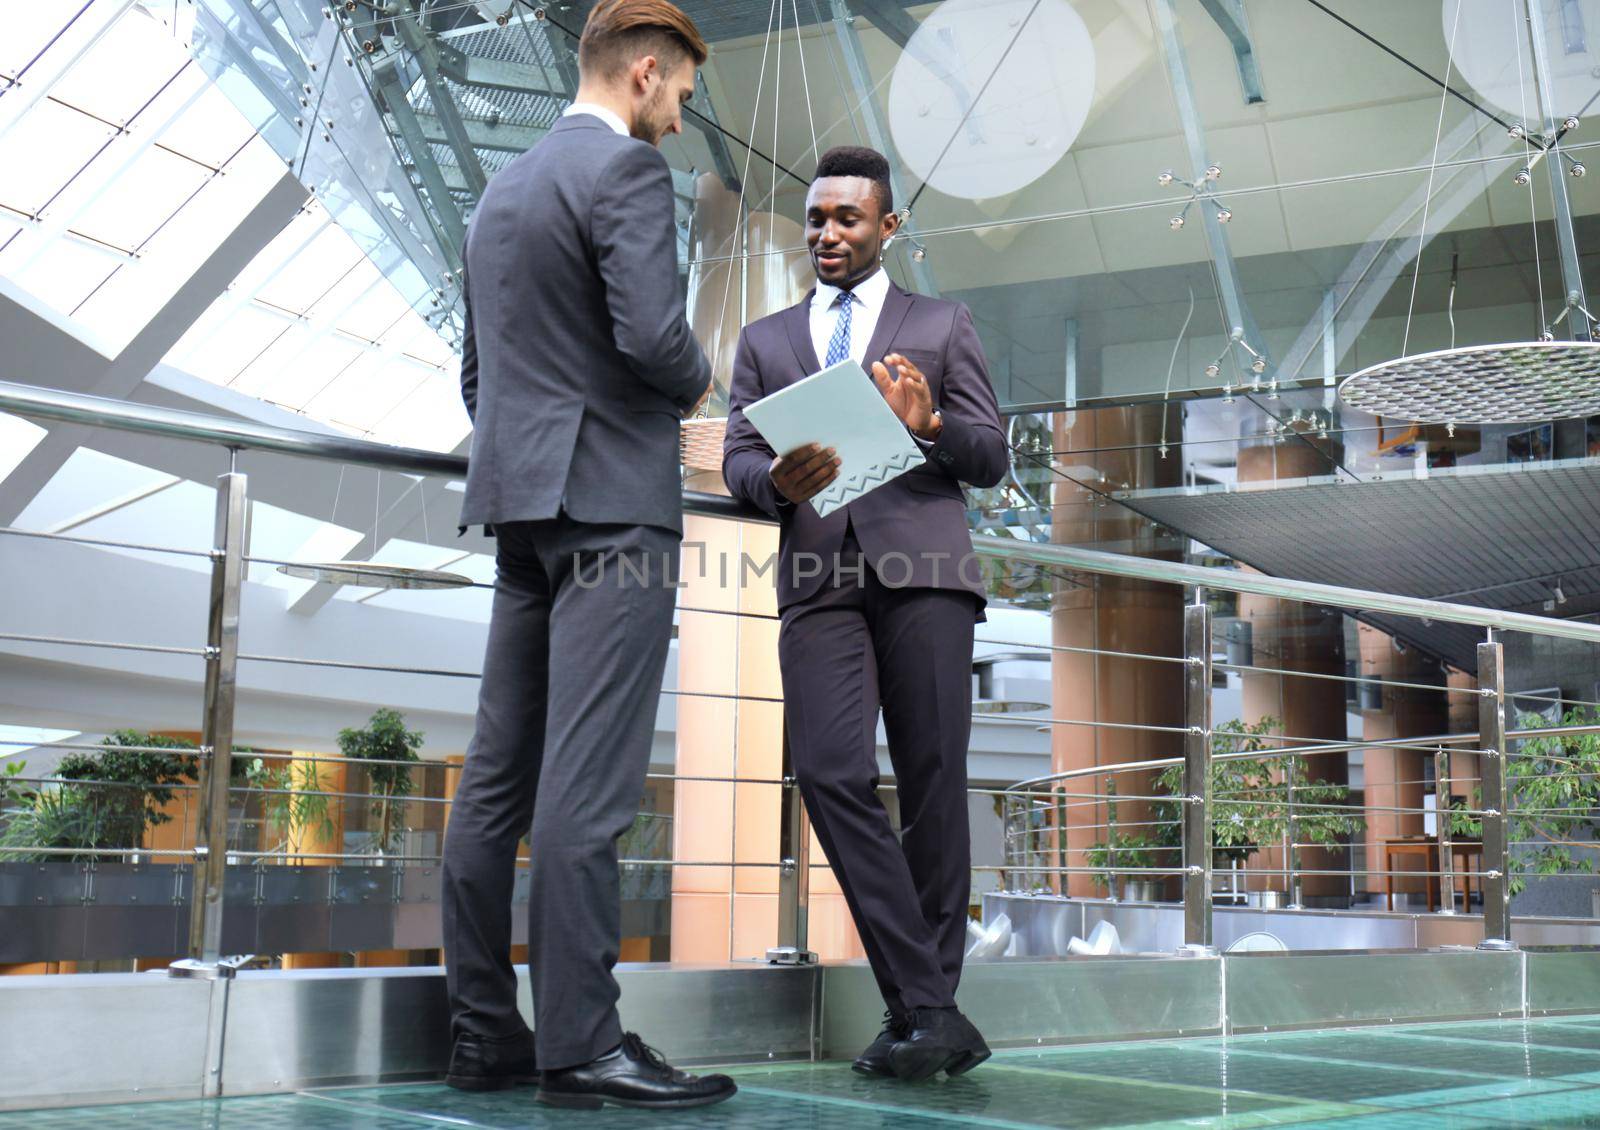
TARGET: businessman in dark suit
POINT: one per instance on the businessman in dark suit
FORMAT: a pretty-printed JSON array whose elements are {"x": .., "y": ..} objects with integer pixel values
[
  {"x": 576, "y": 367},
  {"x": 878, "y": 603}
]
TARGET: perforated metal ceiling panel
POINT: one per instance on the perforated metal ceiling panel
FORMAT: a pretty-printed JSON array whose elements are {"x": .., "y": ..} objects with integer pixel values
[{"x": 1498, "y": 537}]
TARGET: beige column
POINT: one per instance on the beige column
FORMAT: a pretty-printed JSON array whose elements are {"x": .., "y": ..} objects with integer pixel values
[
  {"x": 1294, "y": 637},
  {"x": 740, "y": 271},
  {"x": 1111, "y": 614},
  {"x": 1394, "y": 776}
]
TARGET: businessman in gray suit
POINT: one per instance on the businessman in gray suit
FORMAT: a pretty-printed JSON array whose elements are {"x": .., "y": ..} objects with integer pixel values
[
  {"x": 878, "y": 602},
  {"x": 576, "y": 366}
]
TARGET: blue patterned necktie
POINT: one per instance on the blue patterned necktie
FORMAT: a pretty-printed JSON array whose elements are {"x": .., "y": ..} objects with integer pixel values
[{"x": 839, "y": 343}]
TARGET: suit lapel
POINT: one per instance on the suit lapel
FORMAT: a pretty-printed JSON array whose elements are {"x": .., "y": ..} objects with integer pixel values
[
  {"x": 896, "y": 305},
  {"x": 797, "y": 320}
]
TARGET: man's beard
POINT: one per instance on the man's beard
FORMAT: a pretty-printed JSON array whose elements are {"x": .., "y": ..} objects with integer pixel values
[{"x": 647, "y": 123}]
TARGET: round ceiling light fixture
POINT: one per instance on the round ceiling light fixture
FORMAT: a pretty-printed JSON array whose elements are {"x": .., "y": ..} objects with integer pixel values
[
  {"x": 1035, "y": 74},
  {"x": 1515, "y": 383},
  {"x": 1492, "y": 53},
  {"x": 369, "y": 575}
]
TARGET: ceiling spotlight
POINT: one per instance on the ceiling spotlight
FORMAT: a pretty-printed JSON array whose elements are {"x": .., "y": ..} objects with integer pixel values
[
  {"x": 1517, "y": 133},
  {"x": 1223, "y": 215},
  {"x": 1175, "y": 223},
  {"x": 1561, "y": 597},
  {"x": 1213, "y": 172},
  {"x": 1570, "y": 124},
  {"x": 1578, "y": 169},
  {"x": 1523, "y": 177},
  {"x": 1213, "y": 369},
  {"x": 1259, "y": 365},
  {"x": 1165, "y": 178}
]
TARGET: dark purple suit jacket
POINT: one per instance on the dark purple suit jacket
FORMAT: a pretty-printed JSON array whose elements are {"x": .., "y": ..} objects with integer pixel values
[{"x": 913, "y": 529}]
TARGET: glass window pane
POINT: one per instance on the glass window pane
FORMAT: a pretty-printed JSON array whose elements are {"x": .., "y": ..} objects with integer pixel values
[
  {"x": 375, "y": 314},
  {"x": 221, "y": 354},
  {"x": 431, "y": 416},
  {"x": 307, "y": 276},
  {"x": 141, "y": 200},
  {"x": 68, "y": 275},
  {"x": 210, "y": 130},
  {"x": 123, "y": 70},
  {"x": 44, "y": 151}
]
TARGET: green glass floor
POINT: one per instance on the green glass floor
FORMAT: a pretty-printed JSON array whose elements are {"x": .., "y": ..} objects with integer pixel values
[{"x": 1541, "y": 1073}]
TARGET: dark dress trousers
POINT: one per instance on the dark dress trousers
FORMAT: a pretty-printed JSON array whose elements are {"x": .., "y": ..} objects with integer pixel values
[
  {"x": 878, "y": 604},
  {"x": 576, "y": 367}
]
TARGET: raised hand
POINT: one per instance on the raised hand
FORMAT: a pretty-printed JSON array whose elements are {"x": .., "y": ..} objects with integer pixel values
[{"x": 909, "y": 396}]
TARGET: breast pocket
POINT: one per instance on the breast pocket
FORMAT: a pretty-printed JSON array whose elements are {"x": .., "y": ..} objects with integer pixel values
[{"x": 930, "y": 362}]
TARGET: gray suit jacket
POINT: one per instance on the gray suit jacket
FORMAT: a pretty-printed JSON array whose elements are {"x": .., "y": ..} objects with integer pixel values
[
  {"x": 577, "y": 362},
  {"x": 921, "y": 515}
]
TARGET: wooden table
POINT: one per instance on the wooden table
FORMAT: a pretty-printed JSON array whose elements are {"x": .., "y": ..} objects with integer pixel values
[{"x": 1462, "y": 853}]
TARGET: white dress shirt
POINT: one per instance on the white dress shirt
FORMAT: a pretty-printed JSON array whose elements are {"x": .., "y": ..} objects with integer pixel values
[
  {"x": 609, "y": 117},
  {"x": 869, "y": 294}
]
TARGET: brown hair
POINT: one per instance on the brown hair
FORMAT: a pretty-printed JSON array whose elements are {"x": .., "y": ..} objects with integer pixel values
[{"x": 620, "y": 31}]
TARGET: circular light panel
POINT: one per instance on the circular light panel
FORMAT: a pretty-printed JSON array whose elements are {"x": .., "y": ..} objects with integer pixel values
[
  {"x": 366, "y": 574},
  {"x": 1036, "y": 81},
  {"x": 1489, "y": 36},
  {"x": 1514, "y": 383}
]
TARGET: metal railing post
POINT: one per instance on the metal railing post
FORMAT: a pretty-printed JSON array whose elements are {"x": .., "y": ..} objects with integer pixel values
[
  {"x": 216, "y": 742},
  {"x": 1197, "y": 776},
  {"x": 794, "y": 874},
  {"x": 1441, "y": 819},
  {"x": 1291, "y": 839},
  {"x": 1111, "y": 838},
  {"x": 1492, "y": 742}
]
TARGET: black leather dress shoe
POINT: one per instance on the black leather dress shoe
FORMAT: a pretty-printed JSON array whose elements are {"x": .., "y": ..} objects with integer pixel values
[
  {"x": 479, "y": 1063},
  {"x": 875, "y": 1060},
  {"x": 939, "y": 1039},
  {"x": 633, "y": 1075}
]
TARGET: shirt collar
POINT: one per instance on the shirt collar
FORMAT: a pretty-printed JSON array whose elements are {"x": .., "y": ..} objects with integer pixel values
[
  {"x": 870, "y": 291},
  {"x": 608, "y": 116}
]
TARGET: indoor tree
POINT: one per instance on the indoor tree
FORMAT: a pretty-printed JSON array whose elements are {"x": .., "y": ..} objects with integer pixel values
[{"x": 385, "y": 739}]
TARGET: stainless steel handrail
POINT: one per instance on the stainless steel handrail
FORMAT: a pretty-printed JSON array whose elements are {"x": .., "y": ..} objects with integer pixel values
[
  {"x": 1423, "y": 744},
  {"x": 36, "y": 403},
  {"x": 71, "y": 407},
  {"x": 228, "y": 559}
]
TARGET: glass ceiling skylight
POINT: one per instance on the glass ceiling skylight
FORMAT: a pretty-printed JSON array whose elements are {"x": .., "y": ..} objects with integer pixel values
[
  {"x": 121, "y": 166},
  {"x": 314, "y": 326}
]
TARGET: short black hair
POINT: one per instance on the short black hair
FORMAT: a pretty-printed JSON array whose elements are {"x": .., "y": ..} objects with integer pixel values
[{"x": 859, "y": 161}]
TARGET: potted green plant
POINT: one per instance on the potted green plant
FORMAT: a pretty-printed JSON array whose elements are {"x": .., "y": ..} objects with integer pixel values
[
  {"x": 383, "y": 741},
  {"x": 115, "y": 794},
  {"x": 1138, "y": 850},
  {"x": 1247, "y": 798},
  {"x": 292, "y": 801},
  {"x": 1553, "y": 797}
]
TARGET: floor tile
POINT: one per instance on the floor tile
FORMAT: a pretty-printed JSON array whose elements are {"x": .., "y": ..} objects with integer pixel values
[{"x": 1539, "y": 1073}]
